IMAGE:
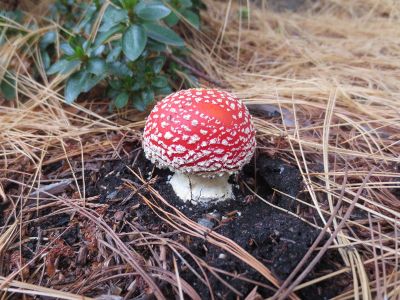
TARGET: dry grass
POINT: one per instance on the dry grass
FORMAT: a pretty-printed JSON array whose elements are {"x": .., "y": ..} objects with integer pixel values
[{"x": 332, "y": 72}]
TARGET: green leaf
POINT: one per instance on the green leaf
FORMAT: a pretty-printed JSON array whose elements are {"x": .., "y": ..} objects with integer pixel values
[
  {"x": 70, "y": 66},
  {"x": 172, "y": 19},
  {"x": 144, "y": 100},
  {"x": 113, "y": 16},
  {"x": 121, "y": 100},
  {"x": 79, "y": 53},
  {"x": 159, "y": 81},
  {"x": 129, "y": 4},
  {"x": 104, "y": 36},
  {"x": 98, "y": 51},
  {"x": 45, "y": 59},
  {"x": 88, "y": 19},
  {"x": 114, "y": 53},
  {"x": 155, "y": 46},
  {"x": 7, "y": 87},
  {"x": 119, "y": 3},
  {"x": 58, "y": 66},
  {"x": 186, "y": 3},
  {"x": 115, "y": 84},
  {"x": 164, "y": 91},
  {"x": 96, "y": 66},
  {"x": 47, "y": 39},
  {"x": 67, "y": 49},
  {"x": 119, "y": 69},
  {"x": 152, "y": 11},
  {"x": 86, "y": 45},
  {"x": 74, "y": 86},
  {"x": 91, "y": 81},
  {"x": 134, "y": 41},
  {"x": 147, "y": 96},
  {"x": 157, "y": 63},
  {"x": 163, "y": 34},
  {"x": 17, "y": 15},
  {"x": 137, "y": 86},
  {"x": 192, "y": 18}
]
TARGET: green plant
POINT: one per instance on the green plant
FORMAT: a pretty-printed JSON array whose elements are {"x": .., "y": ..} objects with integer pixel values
[
  {"x": 124, "y": 43},
  {"x": 7, "y": 81}
]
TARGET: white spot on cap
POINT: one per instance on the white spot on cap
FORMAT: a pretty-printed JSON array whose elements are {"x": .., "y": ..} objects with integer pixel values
[
  {"x": 164, "y": 124},
  {"x": 186, "y": 117},
  {"x": 168, "y": 135},
  {"x": 202, "y": 131},
  {"x": 193, "y": 139},
  {"x": 195, "y": 122},
  {"x": 180, "y": 149}
]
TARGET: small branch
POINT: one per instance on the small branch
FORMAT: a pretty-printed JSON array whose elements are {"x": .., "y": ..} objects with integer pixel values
[{"x": 194, "y": 70}]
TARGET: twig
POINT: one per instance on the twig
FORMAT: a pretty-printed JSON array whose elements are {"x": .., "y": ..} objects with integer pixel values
[{"x": 194, "y": 70}]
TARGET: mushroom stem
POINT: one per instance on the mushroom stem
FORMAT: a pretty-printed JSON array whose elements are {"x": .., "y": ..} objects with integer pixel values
[{"x": 198, "y": 189}]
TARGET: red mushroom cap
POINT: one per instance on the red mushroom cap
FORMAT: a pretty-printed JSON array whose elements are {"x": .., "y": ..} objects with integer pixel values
[{"x": 200, "y": 131}]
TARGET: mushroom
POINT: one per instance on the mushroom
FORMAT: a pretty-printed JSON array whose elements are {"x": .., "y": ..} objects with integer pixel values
[{"x": 204, "y": 136}]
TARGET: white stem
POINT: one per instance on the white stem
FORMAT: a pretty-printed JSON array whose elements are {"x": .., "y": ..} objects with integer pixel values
[{"x": 198, "y": 189}]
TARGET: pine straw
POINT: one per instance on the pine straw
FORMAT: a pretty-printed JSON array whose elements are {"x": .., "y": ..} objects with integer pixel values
[{"x": 331, "y": 71}]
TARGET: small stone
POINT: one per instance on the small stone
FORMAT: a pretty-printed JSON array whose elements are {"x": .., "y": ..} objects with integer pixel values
[
  {"x": 112, "y": 195},
  {"x": 222, "y": 256},
  {"x": 205, "y": 223}
]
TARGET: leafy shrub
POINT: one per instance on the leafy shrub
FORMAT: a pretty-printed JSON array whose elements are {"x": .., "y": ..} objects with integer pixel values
[{"x": 126, "y": 44}]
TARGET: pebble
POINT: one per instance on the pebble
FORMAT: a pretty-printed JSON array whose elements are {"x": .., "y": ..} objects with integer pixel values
[
  {"x": 206, "y": 223},
  {"x": 112, "y": 195}
]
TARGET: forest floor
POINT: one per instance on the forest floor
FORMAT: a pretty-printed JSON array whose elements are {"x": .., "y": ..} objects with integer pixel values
[{"x": 316, "y": 214}]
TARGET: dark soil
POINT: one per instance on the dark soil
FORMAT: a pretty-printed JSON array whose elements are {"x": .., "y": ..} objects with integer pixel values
[{"x": 274, "y": 237}]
